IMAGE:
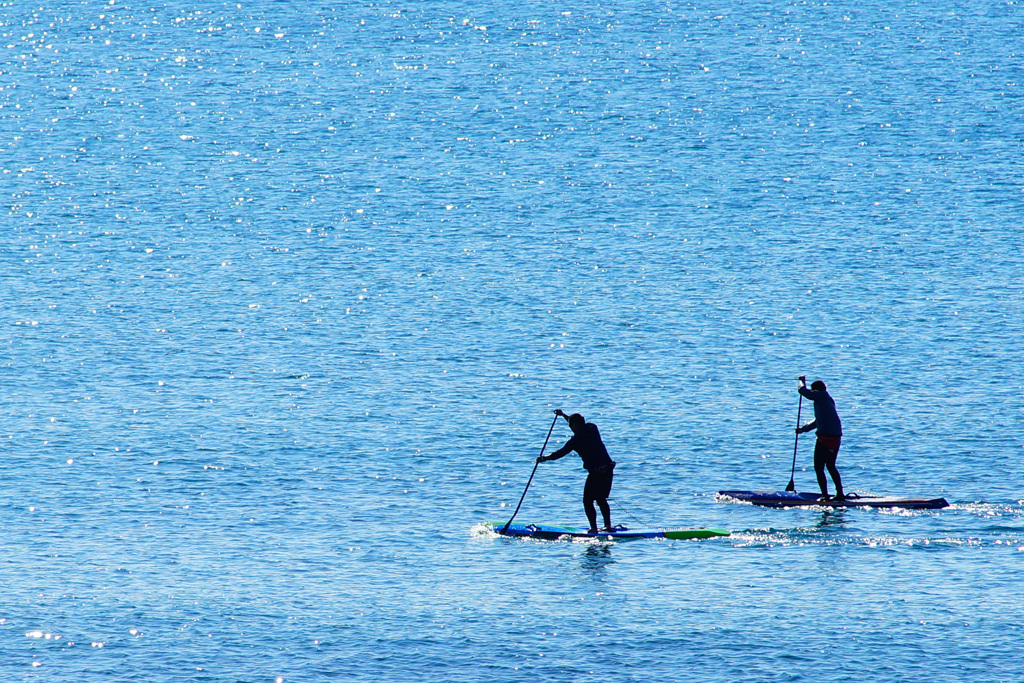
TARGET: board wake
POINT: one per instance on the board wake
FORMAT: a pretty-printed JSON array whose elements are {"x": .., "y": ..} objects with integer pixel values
[
  {"x": 555, "y": 532},
  {"x": 783, "y": 499}
]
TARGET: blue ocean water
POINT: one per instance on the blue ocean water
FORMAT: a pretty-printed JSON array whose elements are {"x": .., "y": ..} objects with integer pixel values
[{"x": 290, "y": 291}]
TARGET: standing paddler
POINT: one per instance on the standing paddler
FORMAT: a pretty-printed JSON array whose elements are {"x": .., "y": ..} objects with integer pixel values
[
  {"x": 586, "y": 441},
  {"x": 829, "y": 435}
]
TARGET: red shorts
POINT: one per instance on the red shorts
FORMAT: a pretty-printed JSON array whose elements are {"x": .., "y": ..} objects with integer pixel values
[{"x": 830, "y": 441}]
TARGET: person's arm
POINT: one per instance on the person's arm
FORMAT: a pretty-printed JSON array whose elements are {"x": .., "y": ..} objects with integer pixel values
[
  {"x": 804, "y": 391},
  {"x": 561, "y": 453},
  {"x": 813, "y": 424},
  {"x": 808, "y": 393},
  {"x": 564, "y": 450}
]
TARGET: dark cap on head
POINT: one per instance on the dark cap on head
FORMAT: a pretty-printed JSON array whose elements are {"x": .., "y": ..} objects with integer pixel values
[{"x": 818, "y": 385}]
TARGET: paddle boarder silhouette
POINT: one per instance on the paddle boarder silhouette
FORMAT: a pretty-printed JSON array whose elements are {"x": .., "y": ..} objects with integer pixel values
[
  {"x": 829, "y": 435},
  {"x": 586, "y": 441}
]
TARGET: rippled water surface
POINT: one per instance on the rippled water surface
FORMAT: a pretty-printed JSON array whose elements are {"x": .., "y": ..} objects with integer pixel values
[{"x": 290, "y": 291}]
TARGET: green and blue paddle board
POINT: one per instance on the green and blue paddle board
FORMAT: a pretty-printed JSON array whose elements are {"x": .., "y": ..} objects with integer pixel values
[{"x": 555, "y": 532}]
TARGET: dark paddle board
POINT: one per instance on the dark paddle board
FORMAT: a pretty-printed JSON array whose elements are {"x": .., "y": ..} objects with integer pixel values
[{"x": 785, "y": 499}]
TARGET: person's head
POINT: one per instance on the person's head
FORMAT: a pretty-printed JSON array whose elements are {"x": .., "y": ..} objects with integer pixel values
[
  {"x": 576, "y": 421},
  {"x": 818, "y": 385}
]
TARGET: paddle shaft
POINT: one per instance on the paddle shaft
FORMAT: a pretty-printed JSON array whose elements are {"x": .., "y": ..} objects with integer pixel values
[
  {"x": 528, "y": 481},
  {"x": 796, "y": 441}
]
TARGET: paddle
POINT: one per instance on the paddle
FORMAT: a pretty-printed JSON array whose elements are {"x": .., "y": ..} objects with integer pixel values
[
  {"x": 800, "y": 404},
  {"x": 536, "y": 462}
]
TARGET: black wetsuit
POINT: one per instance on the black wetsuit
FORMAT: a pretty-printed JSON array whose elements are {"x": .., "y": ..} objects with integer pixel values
[
  {"x": 829, "y": 438},
  {"x": 600, "y": 469}
]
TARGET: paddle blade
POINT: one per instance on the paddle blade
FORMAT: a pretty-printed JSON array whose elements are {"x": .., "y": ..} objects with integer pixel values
[{"x": 791, "y": 486}]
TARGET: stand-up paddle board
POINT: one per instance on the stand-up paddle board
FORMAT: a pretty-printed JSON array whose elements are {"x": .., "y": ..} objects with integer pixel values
[
  {"x": 785, "y": 499},
  {"x": 555, "y": 532}
]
